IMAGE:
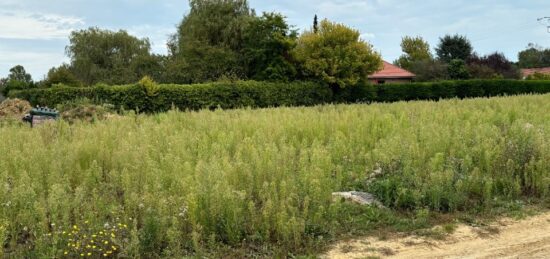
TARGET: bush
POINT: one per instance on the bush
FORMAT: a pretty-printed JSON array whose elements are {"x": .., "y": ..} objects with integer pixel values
[
  {"x": 149, "y": 97},
  {"x": 460, "y": 89},
  {"x": 146, "y": 96}
]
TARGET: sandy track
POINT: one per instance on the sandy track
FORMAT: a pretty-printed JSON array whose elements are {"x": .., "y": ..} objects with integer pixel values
[{"x": 529, "y": 238}]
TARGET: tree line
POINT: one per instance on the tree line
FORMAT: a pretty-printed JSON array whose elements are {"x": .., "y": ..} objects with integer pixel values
[{"x": 227, "y": 40}]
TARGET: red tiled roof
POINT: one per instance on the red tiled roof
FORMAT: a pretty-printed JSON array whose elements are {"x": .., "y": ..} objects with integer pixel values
[
  {"x": 530, "y": 71},
  {"x": 392, "y": 71}
]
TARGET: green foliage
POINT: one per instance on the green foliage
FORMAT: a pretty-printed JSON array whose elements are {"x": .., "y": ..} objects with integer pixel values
[
  {"x": 457, "y": 70},
  {"x": 454, "y": 47},
  {"x": 429, "y": 70},
  {"x": 18, "y": 79},
  {"x": 147, "y": 96},
  {"x": 103, "y": 56},
  {"x": 209, "y": 40},
  {"x": 267, "y": 43},
  {"x": 61, "y": 75},
  {"x": 538, "y": 76},
  {"x": 336, "y": 55},
  {"x": 201, "y": 183},
  {"x": 534, "y": 56},
  {"x": 416, "y": 50}
]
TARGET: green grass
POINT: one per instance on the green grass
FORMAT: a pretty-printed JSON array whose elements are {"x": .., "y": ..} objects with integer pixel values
[{"x": 243, "y": 182}]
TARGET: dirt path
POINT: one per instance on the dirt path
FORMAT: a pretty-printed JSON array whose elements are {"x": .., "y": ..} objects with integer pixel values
[{"x": 529, "y": 238}]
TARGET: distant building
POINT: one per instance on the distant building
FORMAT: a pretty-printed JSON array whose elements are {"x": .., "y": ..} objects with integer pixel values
[
  {"x": 391, "y": 74},
  {"x": 531, "y": 71}
]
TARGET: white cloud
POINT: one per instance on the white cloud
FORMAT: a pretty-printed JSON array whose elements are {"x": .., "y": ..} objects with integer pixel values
[{"x": 24, "y": 25}]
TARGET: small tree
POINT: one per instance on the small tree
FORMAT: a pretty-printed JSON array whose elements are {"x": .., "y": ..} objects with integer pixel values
[
  {"x": 454, "y": 47},
  {"x": 336, "y": 55},
  {"x": 457, "y": 70},
  {"x": 416, "y": 49},
  {"x": 61, "y": 75}
]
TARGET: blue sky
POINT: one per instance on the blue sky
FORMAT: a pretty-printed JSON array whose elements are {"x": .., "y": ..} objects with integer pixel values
[{"x": 34, "y": 33}]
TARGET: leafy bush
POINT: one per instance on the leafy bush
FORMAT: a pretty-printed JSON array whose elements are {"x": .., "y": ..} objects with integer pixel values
[{"x": 149, "y": 97}]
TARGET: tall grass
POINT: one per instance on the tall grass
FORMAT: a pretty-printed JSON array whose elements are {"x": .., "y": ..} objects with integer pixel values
[{"x": 190, "y": 183}]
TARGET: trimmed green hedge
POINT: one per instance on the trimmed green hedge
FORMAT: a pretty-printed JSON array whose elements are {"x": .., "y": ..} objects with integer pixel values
[
  {"x": 157, "y": 98},
  {"x": 460, "y": 89},
  {"x": 186, "y": 97}
]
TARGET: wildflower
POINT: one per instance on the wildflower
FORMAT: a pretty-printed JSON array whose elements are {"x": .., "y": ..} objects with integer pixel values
[
  {"x": 86, "y": 222},
  {"x": 106, "y": 242},
  {"x": 89, "y": 254},
  {"x": 65, "y": 253},
  {"x": 93, "y": 247},
  {"x": 75, "y": 226},
  {"x": 82, "y": 255},
  {"x": 114, "y": 248},
  {"x": 105, "y": 255},
  {"x": 113, "y": 234}
]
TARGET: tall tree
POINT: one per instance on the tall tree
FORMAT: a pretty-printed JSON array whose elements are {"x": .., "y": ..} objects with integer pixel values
[
  {"x": 18, "y": 79},
  {"x": 61, "y": 75},
  {"x": 105, "y": 56},
  {"x": 415, "y": 49},
  {"x": 336, "y": 55},
  {"x": 267, "y": 43},
  {"x": 18, "y": 73},
  {"x": 315, "y": 24},
  {"x": 534, "y": 56},
  {"x": 209, "y": 40},
  {"x": 454, "y": 47}
]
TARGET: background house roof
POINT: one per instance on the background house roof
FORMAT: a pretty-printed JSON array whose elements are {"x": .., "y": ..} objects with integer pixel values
[
  {"x": 530, "y": 71},
  {"x": 392, "y": 71}
]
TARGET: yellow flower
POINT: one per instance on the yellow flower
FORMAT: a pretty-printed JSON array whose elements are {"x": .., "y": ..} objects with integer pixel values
[
  {"x": 93, "y": 247},
  {"x": 94, "y": 236},
  {"x": 65, "y": 253},
  {"x": 105, "y": 255},
  {"x": 113, "y": 234},
  {"x": 86, "y": 222},
  {"x": 109, "y": 252},
  {"x": 101, "y": 232},
  {"x": 82, "y": 255},
  {"x": 114, "y": 248},
  {"x": 106, "y": 242},
  {"x": 89, "y": 254},
  {"x": 75, "y": 226}
]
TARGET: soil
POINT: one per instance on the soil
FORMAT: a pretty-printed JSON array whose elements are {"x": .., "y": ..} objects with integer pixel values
[{"x": 506, "y": 238}]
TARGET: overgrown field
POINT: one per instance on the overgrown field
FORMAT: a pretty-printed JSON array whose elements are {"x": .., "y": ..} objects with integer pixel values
[{"x": 260, "y": 181}]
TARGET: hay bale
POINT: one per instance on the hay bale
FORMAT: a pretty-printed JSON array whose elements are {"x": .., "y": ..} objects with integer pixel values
[{"x": 14, "y": 108}]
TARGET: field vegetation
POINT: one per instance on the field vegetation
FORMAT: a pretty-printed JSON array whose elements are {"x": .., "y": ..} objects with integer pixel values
[{"x": 259, "y": 182}]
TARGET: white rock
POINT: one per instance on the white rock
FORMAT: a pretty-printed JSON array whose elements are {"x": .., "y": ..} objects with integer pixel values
[{"x": 361, "y": 198}]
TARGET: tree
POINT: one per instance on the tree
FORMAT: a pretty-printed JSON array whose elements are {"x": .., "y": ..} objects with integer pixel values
[
  {"x": 336, "y": 55},
  {"x": 315, "y": 24},
  {"x": 454, "y": 47},
  {"x": 18, "y": 79},
  {"x": 209, "y": 40},
  {"x": 105, "y": 56},
  {"x": 457, "y": 70},
  {"x": 429, "y": 70},
  {"x": 534, "y": 56},
  {"x": 416, "y": 49},
  {"x": 61, "y": 75},
  {"x": 267, "y": 43},
  {"x": 495, "y": 65}
]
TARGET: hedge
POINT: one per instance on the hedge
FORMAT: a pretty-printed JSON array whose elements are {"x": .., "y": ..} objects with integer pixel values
[
  {"x": 186, "y": 97},
  {"x": 159, "y": 98}
]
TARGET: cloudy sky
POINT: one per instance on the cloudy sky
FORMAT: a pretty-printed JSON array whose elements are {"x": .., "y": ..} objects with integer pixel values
[{"x": 34, "y": 33}]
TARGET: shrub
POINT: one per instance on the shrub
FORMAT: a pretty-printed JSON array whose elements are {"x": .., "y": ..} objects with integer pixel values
[{"x": 149, "y": 97}]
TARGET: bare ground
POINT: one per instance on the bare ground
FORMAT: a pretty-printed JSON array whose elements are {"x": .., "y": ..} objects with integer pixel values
[{"x": 507, "y": 238}]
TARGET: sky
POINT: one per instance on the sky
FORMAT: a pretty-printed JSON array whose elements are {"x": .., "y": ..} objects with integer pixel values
[{"x": 34, "y": 33}]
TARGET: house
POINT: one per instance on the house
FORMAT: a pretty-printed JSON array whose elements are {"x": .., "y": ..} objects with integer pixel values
[
  {"x": 531, "y": 71},
  {"x": 391, "y": 74}
]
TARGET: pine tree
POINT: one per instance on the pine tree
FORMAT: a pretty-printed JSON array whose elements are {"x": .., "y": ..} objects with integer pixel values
[{"x": 315, "y": 24}]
